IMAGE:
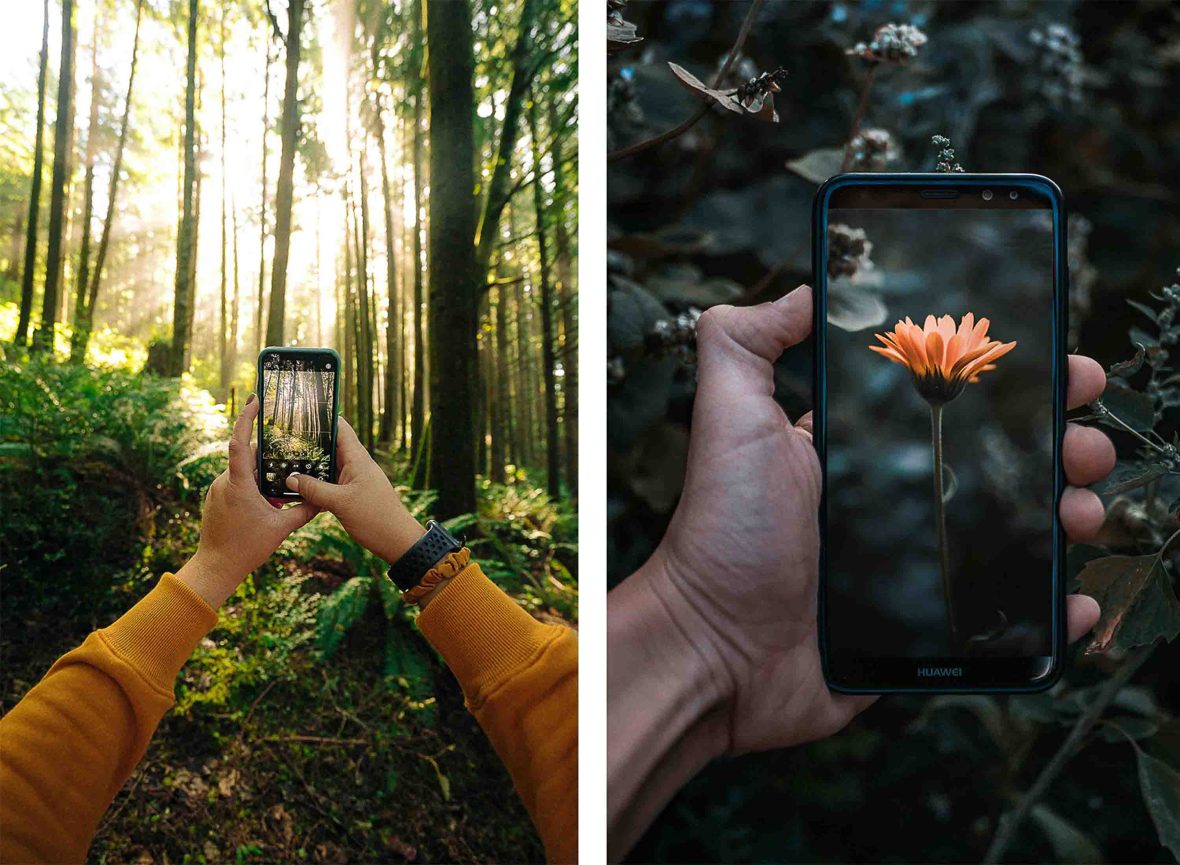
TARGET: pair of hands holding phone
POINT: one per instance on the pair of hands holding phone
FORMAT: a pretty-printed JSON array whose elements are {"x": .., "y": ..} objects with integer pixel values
[
  {"x": 714, "y": 646},
  {"x": 240, "y": 529}
]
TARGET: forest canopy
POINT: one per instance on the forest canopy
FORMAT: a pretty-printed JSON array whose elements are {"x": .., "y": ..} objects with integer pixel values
[{"x": 204, "y": 179}]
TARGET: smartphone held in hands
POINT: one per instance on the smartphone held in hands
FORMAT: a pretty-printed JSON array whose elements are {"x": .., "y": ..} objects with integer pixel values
[
  {"x": 298, "y": 405},
  {"x": 940, "y": 326}
]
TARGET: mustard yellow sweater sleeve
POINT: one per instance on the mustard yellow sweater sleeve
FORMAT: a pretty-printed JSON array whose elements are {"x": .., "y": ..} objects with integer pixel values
[
  {"x": 520, "y": 680},
  {"x": 71, "y": 743}
]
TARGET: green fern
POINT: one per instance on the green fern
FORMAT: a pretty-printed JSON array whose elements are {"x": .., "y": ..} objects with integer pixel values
[
  {"x": 407, "y": 665},
  {"x": 342, "y": 609}
]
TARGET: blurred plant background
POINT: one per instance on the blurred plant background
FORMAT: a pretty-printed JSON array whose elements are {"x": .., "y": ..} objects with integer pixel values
[{"x": 716, "y": 154}]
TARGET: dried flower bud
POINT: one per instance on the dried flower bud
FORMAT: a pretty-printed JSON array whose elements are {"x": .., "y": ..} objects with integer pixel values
[
  {"x": 873, "y": 150},
  {"x": 947, "y": 161},
  {"x": 1059, "y": 64},
  {"x": 676, "y": 337},
  {"x": 848, "y": 250},
  {"x": 891, "y": 43}
]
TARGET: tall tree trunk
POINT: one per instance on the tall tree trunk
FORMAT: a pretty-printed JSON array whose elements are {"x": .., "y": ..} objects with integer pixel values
[
  {"x": 83, "y": 328},
  {"x": 223, "y": 321},
  {"x": 403, "y": 318},
  {"x": 496, "y": 385},
  {"x": 62, "y": 133},
  {"x": 83, "y": 276},
  {"x": 418, "y": 409},
  {"x": 523, "y": 70},
  {"x": 319, "y": 283},
  {"x": 548, "y": 336},
  {"x": 503, "y": 383},
  {"x": 183, "y": 301},
  {"x": 232, "y": 360},
  {"x": 26, "y": 286},
  {"x": 347, "y": 305},
  {"x": 524, "y": 406},
  {"x": 195, "y": 256},
  {"x": 262, "y": 206},
  {"x": 284, "y": 193},
  {"x": 365, "y": 329},
  {"x": 389, "y": 414},
  {"x": 455, "y": 279},
  {"x": 568, "y": 302}
]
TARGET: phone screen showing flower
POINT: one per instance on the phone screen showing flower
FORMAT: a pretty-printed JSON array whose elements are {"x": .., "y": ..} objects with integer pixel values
[
  {"x": 939, "y": 364},
  {"x": 296, "y": 418}
]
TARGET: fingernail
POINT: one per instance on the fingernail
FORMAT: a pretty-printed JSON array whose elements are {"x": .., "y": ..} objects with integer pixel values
[
  {"x": 787, "y": 296},
  {"x": 251, "y": 398},
  {"x": 293, "y": 481}
]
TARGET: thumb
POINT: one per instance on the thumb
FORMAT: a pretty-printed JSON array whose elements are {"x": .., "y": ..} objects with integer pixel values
[
  {"x": 319, "y": 493},
  {"x": 298, "y": 516},
  {"x": 737, "y": 346}
]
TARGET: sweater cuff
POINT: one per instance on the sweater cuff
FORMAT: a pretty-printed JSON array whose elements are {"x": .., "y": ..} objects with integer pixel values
[
  {"x": 158, "y": 634},
  {"x": 482, "y": 633}
]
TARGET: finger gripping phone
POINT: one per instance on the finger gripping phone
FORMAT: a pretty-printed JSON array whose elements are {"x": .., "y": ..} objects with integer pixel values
[
  {"x": 941, "y": 318},
  {"x": 298, "y": 407}
]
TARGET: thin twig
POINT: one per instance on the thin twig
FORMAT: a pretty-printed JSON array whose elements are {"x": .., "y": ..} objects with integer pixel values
[
  {"x": 859, "y": 116},
  {"x": 1072, "y": 744},
  {"x": 1114, "y": 417},
  {"x": 316, "y": 740},
  {"x": 677, "y": 131}
]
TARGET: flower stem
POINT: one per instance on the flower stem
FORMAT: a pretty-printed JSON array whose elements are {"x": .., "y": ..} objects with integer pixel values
[
  {"x": 940, "y": 524},
  {"x": 865, "y": 89}
]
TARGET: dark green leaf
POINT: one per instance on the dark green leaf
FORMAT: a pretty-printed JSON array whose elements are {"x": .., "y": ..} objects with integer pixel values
[
  {"x": 1141, "y": 337},
  {"x": 1121, "y": 729},
  {"x": 1070, "y": 844},
  {"x": 1135, "y": 476},
  {"x": 1161, "y": 793},
  {"x": 1144, "y": 308},
  {"x": 1137, "y": 600},
  {"x": 1135, "y": 409},
  {"x": 818, "y": 165}
]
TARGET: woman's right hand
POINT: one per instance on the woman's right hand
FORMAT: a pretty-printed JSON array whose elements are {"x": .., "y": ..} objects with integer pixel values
[{"x": 362, "y": 499}]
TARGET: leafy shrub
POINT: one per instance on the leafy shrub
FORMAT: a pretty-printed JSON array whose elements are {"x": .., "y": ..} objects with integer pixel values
[{"x": 90, "y": 459}]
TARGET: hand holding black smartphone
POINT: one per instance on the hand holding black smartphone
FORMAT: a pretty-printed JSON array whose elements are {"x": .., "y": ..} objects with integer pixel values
[
  {"x": 298, "y": 408},
  {"x": 940, "y": 322}
]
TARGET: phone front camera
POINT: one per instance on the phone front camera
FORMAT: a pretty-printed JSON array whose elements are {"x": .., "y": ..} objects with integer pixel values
[
  {"x": 987, "y": 195},
  {"x": 1014, "y": 195}
]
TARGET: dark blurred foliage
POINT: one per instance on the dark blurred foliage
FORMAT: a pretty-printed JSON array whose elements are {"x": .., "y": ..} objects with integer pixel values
[{"x": 1085, "y": 93}]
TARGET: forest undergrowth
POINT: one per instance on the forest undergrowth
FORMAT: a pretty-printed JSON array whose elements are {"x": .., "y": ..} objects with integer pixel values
[{"x": 313, "y": 723}]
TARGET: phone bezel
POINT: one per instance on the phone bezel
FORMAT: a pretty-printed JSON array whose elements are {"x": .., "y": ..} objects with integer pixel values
[
  {"x": 290, "y": 351},
  {"x": 865, "y": 675}
]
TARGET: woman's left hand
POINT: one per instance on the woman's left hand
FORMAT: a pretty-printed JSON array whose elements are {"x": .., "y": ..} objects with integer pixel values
[{"x": 239, "y": 528}]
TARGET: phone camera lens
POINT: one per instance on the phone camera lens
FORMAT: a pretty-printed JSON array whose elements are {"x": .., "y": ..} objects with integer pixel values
[
  {"x": 987, "y": 195},
  {"x": 1014, "y": 195}
]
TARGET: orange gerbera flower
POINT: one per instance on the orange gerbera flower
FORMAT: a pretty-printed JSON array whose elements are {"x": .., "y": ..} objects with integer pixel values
[{"x": 941, "y": 358}]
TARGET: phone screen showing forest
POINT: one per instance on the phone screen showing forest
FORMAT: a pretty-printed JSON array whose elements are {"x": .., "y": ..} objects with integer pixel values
[
  {"x": 298, "y": 398},
  {"x": 940, "y": 465}
]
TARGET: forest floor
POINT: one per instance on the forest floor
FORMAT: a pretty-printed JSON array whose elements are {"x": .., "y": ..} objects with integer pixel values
[{"x": 325, "y": 762}]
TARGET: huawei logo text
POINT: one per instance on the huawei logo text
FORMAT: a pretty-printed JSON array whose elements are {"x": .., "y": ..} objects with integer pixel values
[{"x": 944, "y": 672}]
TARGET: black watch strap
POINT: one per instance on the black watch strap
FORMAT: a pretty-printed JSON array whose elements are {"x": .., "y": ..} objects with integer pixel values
[{"x": 430, "y": 549}]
